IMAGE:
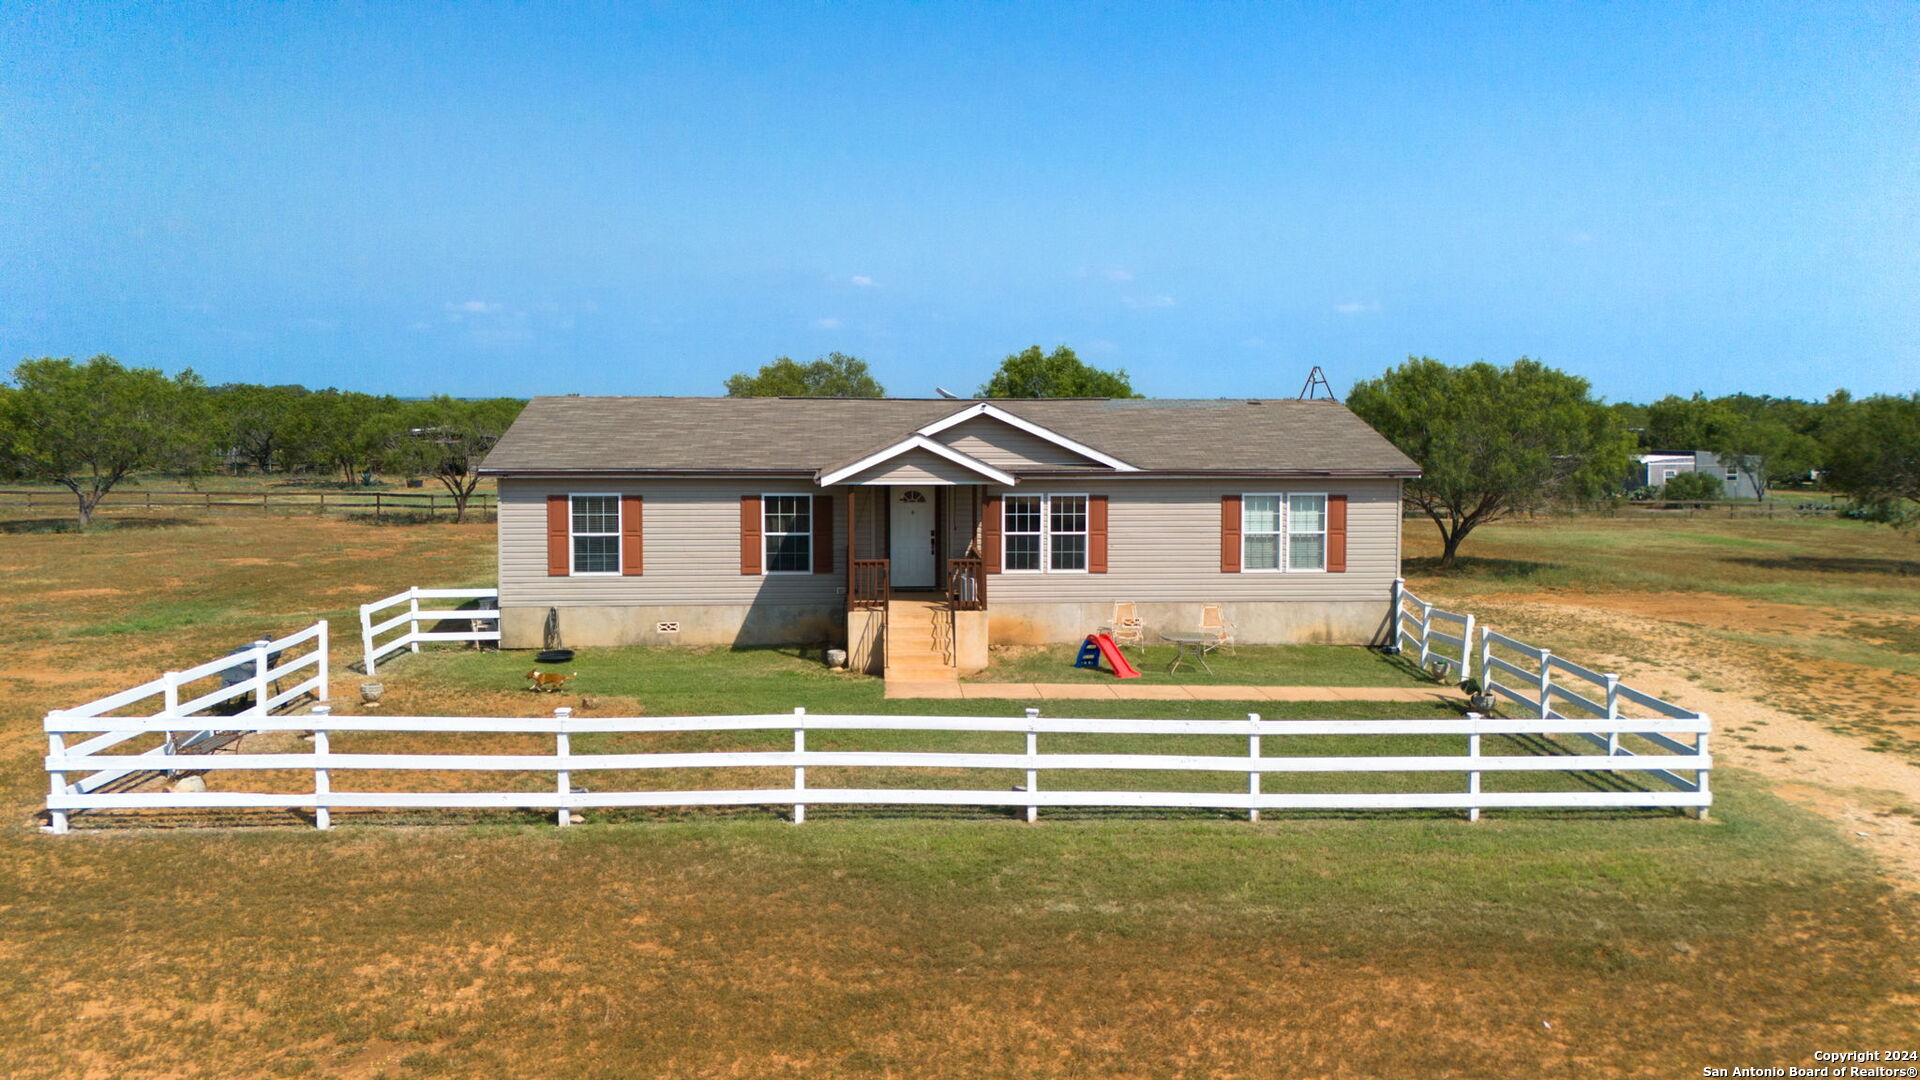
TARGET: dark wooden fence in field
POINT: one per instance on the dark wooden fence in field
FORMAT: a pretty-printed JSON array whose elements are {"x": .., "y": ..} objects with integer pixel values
[{"x": 378, "y": 504}]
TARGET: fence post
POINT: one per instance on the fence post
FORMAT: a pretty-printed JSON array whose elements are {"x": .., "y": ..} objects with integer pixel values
[
  {"x": 1466, "y": 650},
  {"x": 1426, "y": 618},
  {"x": 1486, "y": 657},
  {"x": 1700, "y": 775},
  {"x": 1613, "y": 712},
  {"x": 1473, "y": 758},
  {"x": 562, "y": 777},
  {"x": 57, "y": 781},
  {"x": 366, "y": 637},
  {"x": 413, "y": 617},
  {"x": 1033, "y": 773},
  {"x": 1393, "y": 623},
  {"x": 1253, "y": 774},
  {"x": 261, "y": 683},
  {"x": 799, "y": 771},
  {"x": 326, "y": 677},
  {"x": 1546, "y": 684},
  {"x": 322, "y": 777},
  {"x": 170, "y": 704}
]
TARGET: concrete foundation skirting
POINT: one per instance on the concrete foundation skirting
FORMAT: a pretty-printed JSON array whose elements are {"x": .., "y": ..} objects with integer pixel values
[
  {"x": 1357, "y": 622},
  {"x": 686, "y": 624},
  {"x": 1289, "y": 622}
]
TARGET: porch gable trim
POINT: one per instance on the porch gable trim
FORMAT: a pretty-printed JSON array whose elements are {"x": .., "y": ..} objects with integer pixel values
[
  {"x": 911, "y": 443},
  {"x": 987, "y": 409}
]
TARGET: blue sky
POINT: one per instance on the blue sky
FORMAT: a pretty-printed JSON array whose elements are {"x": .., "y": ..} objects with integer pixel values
[{"x": 516, "y": 200}]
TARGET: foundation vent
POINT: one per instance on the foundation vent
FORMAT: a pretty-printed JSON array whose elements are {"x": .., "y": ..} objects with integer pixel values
[{"x": 666, "y": 628}]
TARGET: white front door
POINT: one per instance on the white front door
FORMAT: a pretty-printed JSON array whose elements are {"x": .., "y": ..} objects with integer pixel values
[{"x": 911, "y": 546}]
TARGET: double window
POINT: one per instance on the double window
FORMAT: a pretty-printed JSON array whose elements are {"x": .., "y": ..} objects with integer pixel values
[
  {"x": 1044, "y": 533},
  {"x": 595, "y": 529},
  {"x": 1283, "y": 533},
  {"x": 786, "y": 530}
]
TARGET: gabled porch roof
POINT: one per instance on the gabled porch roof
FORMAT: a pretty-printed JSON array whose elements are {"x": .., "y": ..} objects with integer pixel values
[{"x": 917, "y": 442}]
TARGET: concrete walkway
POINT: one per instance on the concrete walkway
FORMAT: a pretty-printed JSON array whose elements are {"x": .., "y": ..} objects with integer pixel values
[{"x": 1131, "y": 690}]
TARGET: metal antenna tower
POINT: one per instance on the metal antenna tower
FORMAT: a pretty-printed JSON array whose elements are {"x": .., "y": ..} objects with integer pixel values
[{"x": 1317, "y": 386}]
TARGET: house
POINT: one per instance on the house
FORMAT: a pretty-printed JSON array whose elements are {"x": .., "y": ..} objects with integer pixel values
[
  {"x": 1740, "y": 480},
  {"x": 724, "y": 521}
]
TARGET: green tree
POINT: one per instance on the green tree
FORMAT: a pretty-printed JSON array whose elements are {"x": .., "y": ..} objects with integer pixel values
[
  {"x": 1492, "y": 440},
  {"x": 88, "y": 426},
  {"x": 446, "y": 438},
  {"x": 1873, "y": 455},
  {"x": 344, "y": 430},
  {"x": 1694, "y": 487},
  {"x": 255, "y": 422},
  {"x": 1689, "y": 423},
  {"x": 1031, "y": 373},
  {"x": 833, "y": 375}
]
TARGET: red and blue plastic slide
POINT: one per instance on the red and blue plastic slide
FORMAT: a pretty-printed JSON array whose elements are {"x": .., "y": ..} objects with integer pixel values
[{"x": 1098, "y": 645}]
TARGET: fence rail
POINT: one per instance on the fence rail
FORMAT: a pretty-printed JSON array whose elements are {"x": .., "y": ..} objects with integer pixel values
[
  {"x": 483, "y": 621},
  {"x": 565, "y": 798},
  {"x": 380, "y": 503},
  {"x": 1413, "y": 628},
  {"x": 251, "y": 676}
]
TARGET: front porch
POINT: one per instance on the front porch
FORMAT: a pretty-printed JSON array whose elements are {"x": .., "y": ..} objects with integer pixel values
[{"x": 916, "y": 592}]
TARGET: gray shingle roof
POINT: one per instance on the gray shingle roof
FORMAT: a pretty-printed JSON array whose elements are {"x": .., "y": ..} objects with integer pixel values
[{"x": 770, "y": 435}]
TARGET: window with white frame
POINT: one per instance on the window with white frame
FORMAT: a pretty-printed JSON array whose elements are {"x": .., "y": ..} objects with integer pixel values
[
  {"x": 1260, "y": 532},
  {"x": 1022, "y": 526},
  {"x": 787, "y": 532},
  {"x": 1306, "y": 532},
  {"x": 1043, "y": 533},
  {"x": 1733, "y": 472},
  {"x": 1283, "y": 533},
  {"x": 596, "y": 533},
  {"x": 1066, "y": 532}
]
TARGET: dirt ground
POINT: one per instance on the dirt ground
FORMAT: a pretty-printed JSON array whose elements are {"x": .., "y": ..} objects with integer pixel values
[{"x": 1829, "y": 764}]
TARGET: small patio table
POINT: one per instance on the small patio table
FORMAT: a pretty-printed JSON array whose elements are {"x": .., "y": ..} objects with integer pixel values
[{"x": 1190, "y": 645}]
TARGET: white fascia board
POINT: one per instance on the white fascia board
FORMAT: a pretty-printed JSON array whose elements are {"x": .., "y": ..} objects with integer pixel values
[
  {"x": 1031, "y": 428},
  {"x": 917, "y": 442}
]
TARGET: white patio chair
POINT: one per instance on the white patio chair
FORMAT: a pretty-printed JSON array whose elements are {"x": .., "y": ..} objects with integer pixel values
[{"x": 1213, "y": 620}]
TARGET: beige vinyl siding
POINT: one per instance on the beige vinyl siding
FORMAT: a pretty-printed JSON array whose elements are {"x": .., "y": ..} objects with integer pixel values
[
  {"x": 1008, "y": 447},
  {"x": 1163, "y": 544},
  {"x": 870, "y": 506},
  {"x": 692, "y": 547},
  {"x": 917, "y": 467}
]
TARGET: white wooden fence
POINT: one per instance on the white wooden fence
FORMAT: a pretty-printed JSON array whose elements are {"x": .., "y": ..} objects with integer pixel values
[
  {"x": 1414, "y": 631},
  {"x": 1551, "y": 688},
  {"x": 565, "y": 763},
  {"x": 483, "y": 622},
  {"x": 257, "y": 673}
]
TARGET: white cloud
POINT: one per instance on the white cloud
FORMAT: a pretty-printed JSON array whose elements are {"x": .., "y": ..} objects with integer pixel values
[
  {"x": 1119, "y": 273},
  {"x": 863, "y": 281},
  {"x": 1581, "y": 238},
  {"x": 473, "y": 307},
  {"x": 1356, "y": 307},
  {"x": 1151, "y": 301},
  {"x": 828, "y": 323}
]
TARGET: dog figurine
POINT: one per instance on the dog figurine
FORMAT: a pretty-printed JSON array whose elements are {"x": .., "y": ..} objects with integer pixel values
[{"x": 547, "y": 682}]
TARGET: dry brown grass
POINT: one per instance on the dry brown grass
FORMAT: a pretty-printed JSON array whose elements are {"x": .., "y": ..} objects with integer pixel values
[{"x": 861, "y": 944}]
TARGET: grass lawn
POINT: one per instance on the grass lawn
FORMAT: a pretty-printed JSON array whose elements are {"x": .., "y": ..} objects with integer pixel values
[
  {"x": 862, "y": 944},
  {"x": 1245, "y": 665}
]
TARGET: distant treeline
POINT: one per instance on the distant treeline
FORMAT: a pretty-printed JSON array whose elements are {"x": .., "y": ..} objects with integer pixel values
[{"x": 89, "y": 425}]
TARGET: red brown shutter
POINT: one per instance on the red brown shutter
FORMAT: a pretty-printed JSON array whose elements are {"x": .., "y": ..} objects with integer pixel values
[
  {"x": 823, "y": 534},
  {"x": 633, "y": 555},
  {"x": 1229, "y": 534},
  {"x": 1096, "y": 534},
  {"x": 1336, "y": 533},
  {"x": 990, "y": 533},
  {"x": 559, "y": 536},
  {"x": 750, "y": 544}
]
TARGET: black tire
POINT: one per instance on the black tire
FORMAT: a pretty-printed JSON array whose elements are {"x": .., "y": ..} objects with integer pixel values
[{"x": 554, "y": 656}]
